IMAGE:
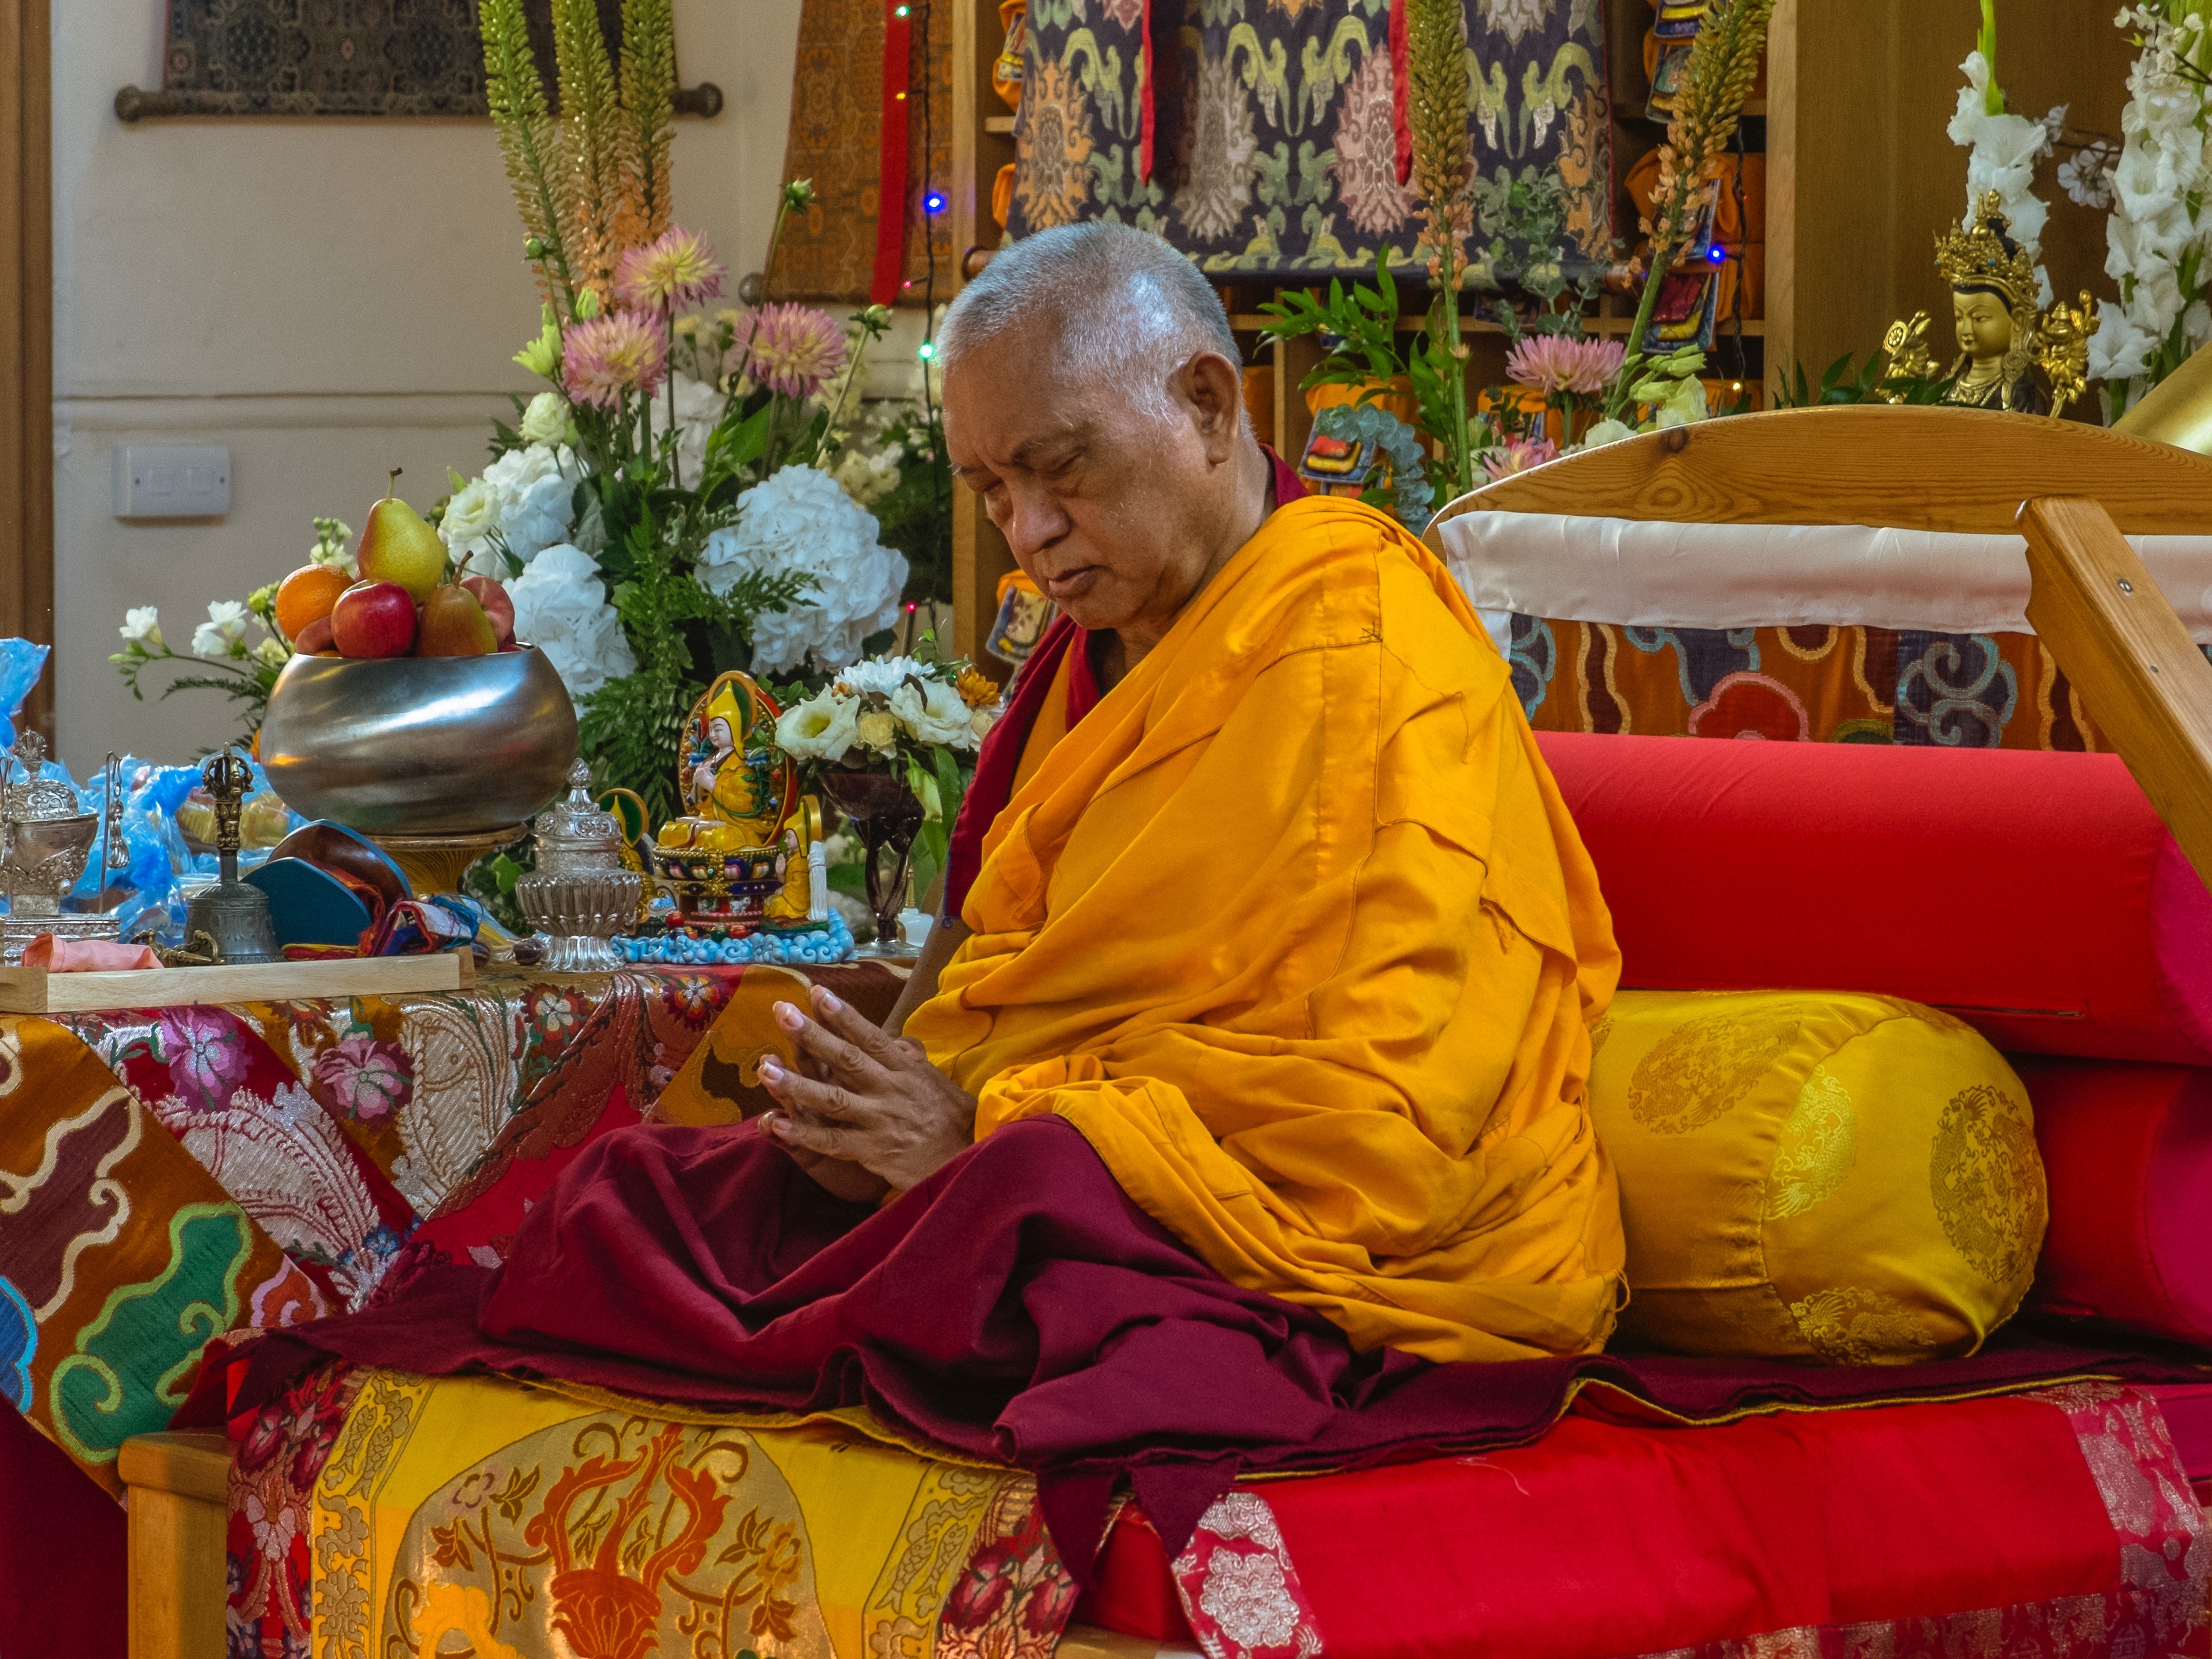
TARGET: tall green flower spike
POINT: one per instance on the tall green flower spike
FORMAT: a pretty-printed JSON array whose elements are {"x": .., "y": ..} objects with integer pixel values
[
  {"x": 529, "y": 144},
  {"x": 591, "y": 140},
  {"x": 648, "y": 107}
]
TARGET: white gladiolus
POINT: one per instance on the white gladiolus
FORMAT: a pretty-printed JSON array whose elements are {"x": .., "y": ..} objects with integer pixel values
[
  {"x": 800, "y": 522},
  {"x": 141, "y": 625},
  {"x": 2159, "y": 189},
  {"x": 560, "y": 607},
  {"x": 2002, "y": 154},
  {"x": 824, "y": 727}
]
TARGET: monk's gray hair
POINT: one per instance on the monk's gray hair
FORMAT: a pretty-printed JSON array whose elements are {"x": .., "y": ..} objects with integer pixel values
[{"x": 1123, "y": 305}]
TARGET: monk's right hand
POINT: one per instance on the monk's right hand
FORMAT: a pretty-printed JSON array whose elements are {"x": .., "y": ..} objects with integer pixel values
[{"x": 873, "y": 1099}]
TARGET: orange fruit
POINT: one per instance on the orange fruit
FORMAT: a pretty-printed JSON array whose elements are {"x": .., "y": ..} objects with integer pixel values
[{"x": 309, "y": 595}]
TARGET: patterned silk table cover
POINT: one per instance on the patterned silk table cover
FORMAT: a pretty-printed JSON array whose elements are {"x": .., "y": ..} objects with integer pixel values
[{"x": 169, "y": 1175}]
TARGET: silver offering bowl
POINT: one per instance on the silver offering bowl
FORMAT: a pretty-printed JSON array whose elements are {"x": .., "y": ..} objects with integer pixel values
[
  {"x": 43, "y": 859},
  {"x": 420, "y": 746}
]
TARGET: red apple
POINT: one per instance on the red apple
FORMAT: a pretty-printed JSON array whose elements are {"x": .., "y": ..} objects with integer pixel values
[
  {"x": 373, "y": 619},
  {"x": 496, "y": 604},
  {"x": 315, "y": 638}
]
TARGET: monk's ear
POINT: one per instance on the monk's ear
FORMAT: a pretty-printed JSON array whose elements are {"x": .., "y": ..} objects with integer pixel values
[{"x": 1216, "y": 391}]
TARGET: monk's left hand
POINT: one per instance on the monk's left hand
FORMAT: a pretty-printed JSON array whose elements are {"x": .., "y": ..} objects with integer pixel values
[{"x": 871, "y": 1099}]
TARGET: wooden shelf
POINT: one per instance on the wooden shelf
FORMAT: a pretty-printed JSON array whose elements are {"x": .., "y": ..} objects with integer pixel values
[
  {"x": 1753, "y": 327},
  {"x": 1003, "y": 126}
]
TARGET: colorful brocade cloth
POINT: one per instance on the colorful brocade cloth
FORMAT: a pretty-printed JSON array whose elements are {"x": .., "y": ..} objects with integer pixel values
[
  {"x": 479, "y": 1515},
  {"x": 1803, "y": 685},
  {"x": 166, "y": 1175}
]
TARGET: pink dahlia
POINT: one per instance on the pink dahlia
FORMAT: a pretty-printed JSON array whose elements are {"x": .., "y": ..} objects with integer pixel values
[
  {"x": 1560, "y": 362},
  {"x": 795, "y": 350},
  {"x": 676, "y": 269},
  {"x": 1518, "y": 455},
  {"x": 618, "y": 352}
]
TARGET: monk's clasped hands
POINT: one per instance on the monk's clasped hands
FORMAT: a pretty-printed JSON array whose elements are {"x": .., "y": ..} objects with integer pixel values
[{"x": 863, "y": 1098}]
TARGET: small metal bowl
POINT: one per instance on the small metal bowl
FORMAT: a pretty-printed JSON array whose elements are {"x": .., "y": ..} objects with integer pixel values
[{"x": 420, "y": 746}]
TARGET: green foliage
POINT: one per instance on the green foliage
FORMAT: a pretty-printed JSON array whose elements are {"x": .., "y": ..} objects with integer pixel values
[
  {"x": 1361, "y": 328},
  {"x": 1870, "y": 384},
  {"x": 916, "y": 515},
  {"x": 632, "y": 728}
]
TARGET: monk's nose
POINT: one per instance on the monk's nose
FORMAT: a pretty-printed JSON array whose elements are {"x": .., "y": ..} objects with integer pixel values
[{"x": 1035, "y": 523}]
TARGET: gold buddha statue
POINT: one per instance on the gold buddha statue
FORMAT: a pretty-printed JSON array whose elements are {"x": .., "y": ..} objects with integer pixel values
[
  {"x": 740, "y": 795},
  {"x": 2009, "y": 357}
]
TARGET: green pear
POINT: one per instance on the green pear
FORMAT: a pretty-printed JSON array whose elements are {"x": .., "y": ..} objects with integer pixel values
[
  {"x": 401, "y": 546},
  {"x": 454, "y": 625}
]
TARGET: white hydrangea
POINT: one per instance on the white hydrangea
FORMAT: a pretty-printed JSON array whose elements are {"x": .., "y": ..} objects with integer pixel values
[
  {"x": 560, "y": 607},
  {"x": 799, "y": 521},
  {"x": 699, "y": 409},
  {"x": 2002, "y": 154},
  {"x": 537, "y": 488},
  {"x": 2159, "y": 188}
]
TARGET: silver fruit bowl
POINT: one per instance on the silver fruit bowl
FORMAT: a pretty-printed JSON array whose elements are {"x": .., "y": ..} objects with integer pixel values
[{"x": 420, "y": 746}]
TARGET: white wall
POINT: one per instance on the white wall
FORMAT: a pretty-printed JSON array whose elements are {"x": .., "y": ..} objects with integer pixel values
[{"x": 330, "y": 298}]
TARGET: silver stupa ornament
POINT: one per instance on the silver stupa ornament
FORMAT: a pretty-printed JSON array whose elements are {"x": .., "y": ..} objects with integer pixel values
[
  {"x": 46, "y": 838},
  {"x": 580, "y": 897}
]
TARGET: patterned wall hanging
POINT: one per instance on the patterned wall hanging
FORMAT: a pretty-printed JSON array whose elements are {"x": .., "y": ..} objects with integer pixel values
[
  {"x": 344, "y": 58},
  {"x": 1271, "y": 138},
  {"x": 870, "y": 123}
]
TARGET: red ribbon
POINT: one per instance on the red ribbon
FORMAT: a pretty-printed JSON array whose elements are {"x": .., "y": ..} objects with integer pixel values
[
  {"x": 1400, "y": 92},
  {"x": 1145, "y": 96},
  {"x": 891, "y": 205}
]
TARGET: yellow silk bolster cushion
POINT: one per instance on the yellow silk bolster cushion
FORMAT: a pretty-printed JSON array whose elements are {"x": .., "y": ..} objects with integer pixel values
[{"x": 1832, "y": 1177}]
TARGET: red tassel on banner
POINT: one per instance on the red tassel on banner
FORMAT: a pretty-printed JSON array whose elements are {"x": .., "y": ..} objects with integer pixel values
[
  {"x": 1400, "y": 92},
  {"x": 1145, "y": 93},
  {"x": 891, "y": 182}
]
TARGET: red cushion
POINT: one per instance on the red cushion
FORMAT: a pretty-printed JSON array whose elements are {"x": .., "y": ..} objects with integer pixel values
[
  {"x": 2034, "y": 894},
  {"x": 2127, "y": 1151}
]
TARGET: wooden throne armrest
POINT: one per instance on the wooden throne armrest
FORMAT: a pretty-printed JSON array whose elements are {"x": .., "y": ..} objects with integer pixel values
[
  {"x": 177, "y": 1489},
  {"x": 2146, "y": 683}
]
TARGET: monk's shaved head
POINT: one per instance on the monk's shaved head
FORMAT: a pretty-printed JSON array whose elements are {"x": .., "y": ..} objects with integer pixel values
[{"x": 1103, "y": 303}]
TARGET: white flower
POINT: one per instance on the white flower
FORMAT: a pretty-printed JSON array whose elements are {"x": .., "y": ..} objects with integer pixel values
[
  {"x": 799, "y": 521},
  {"x": 546, "y": 420},
  {"x": 1607, "y": 432},
  {"x": 1683, "y": 405},
  {"x": 472, "y": 518},
  {"x": 699, "y": 409},
  {"x": 934, "y": 713},
  {"x": 560, "y": 607},
  {"x": 882, "y": 675},
  {"x": 537, "y": 488},
  {"x": 2086, "y": 175},
  {"x": 223, "y": 631},
  {"x": 821, "y": 728},
  {"x": 273, "y": 652},
  {"x": 867, "y": 478},
  {"x": 141, "y": 625},
  {"x": 2002, "y": 154}
]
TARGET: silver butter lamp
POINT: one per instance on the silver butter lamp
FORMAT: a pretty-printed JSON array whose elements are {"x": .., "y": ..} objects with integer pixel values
[{"x": 45, "y": 840}]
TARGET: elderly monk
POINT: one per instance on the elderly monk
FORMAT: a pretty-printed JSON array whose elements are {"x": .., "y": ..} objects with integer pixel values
[{"x": 1283, "y": 913}]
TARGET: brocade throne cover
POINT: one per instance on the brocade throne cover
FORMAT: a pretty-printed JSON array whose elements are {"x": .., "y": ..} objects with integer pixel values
[{"x": 1275, "y": 140}]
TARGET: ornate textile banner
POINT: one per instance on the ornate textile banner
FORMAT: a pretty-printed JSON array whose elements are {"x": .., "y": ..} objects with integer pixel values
[
  {"x": 1274, "y": 142},
  {"x": 838, "y": 100}
]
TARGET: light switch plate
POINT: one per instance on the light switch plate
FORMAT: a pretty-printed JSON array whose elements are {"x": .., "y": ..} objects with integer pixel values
[{"x": 172, "y": 481}]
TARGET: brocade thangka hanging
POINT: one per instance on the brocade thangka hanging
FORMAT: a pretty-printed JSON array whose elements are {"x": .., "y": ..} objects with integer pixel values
[{"x": 1268, "y": 140}]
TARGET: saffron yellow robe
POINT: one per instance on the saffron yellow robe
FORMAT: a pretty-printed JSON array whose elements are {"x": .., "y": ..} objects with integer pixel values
[{"x": 1294, "y": 928}]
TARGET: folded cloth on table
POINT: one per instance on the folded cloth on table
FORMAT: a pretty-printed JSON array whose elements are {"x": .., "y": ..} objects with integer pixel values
[
  {"x": 86, "y": 956},
  {"x": 2035, "y": 895},
  {"x": 2128, "y": 1151},
  {"x": 1016, "y": 1306}
]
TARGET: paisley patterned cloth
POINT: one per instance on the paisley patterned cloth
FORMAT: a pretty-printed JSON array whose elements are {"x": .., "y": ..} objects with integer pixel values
[
  {"x": 1274, "y": 144},
  {"x": 1798, "y": 685}
]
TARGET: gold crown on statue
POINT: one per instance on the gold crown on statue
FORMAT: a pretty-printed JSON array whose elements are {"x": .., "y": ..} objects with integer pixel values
[{"x": 1984, "y": 256}]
